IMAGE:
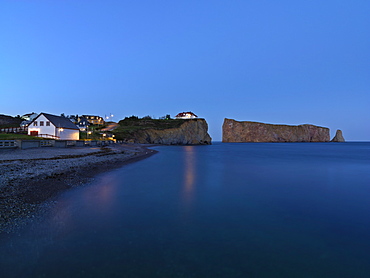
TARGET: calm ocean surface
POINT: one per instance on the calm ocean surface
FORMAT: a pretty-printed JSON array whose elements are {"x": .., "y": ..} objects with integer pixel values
[{"x": 225, "y": 210}]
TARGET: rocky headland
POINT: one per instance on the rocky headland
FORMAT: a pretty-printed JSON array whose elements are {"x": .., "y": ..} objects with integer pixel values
[
  {"x": 164, "y": 132},
  {"x": 245, "y": 131}
]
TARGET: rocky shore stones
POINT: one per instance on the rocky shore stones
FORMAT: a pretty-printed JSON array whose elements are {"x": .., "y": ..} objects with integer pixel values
[{"x": 31, "y": 178}]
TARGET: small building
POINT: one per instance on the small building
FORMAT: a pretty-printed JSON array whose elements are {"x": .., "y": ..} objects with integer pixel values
[
  {"x": 51, "y": 126},
  {"x": 94, "y": 120},
  {"x": 186, "y": 115},
  {"x": 27, "y": 118},
  {"x": 74, "y": 118},
  {"x": 83, "y": 123}
]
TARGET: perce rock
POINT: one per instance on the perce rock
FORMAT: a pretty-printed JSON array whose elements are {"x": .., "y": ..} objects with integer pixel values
[
  {"x": 235, "y": 131},
  {"x": 338, "y": 137}
]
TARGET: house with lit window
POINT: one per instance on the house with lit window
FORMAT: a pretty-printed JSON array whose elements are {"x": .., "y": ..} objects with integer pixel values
[
  {"x": 94, "y": 120},
  {"x": 55, "y": 127},
  {"x": 83, "y": 123},
  {"x": 186, "y": 115}
]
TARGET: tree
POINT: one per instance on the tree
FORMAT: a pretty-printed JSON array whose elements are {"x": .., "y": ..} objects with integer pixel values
[
  {"x": 132, "y": 118},
  {"x": 167, "y": 117}
]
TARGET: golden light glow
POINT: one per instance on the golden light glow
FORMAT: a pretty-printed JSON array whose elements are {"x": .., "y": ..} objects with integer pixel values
[
  {"x": 189, "y": 181},
  {"x": 189, "y": 174}
]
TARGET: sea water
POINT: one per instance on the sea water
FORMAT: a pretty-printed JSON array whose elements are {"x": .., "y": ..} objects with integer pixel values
[{"x": 225, "y": 210}]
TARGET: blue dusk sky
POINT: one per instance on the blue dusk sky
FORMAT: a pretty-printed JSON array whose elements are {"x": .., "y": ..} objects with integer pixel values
[{"x": 284, "y": 62}]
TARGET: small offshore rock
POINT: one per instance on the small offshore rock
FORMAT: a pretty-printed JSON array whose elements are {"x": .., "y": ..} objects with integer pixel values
[{"x": 338, "y": 137}]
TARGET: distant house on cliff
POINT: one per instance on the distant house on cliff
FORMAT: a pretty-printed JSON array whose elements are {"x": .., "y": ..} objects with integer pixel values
[
  {"x": 186, "y": 115},
  {"x": 51, "y": 126}
]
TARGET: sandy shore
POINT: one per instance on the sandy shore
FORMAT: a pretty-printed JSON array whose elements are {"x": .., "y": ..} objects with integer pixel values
[{"x": 29, "y": 179}]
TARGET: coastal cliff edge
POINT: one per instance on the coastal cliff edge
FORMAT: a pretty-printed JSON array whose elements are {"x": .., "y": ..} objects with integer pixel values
[{"x": 164, "y": 132}]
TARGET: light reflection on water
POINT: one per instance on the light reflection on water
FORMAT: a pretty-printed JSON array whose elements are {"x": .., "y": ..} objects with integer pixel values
[
  {"x": 226, "y": 210},
  {"x": 189, "y": 174}
]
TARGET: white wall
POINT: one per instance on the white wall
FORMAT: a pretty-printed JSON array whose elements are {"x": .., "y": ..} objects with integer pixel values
[
  {"x": 42, "y": 129},
  {"x": 68, "y": 134},
  {"x": 63, "y": 133},
  {"x": 187, "y": 116}
]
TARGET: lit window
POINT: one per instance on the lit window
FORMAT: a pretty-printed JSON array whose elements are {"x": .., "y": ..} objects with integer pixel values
[
  {"x": 47, "y": 123},
  {"x": 41, "y": 123},
  {"x": 35, "y": 123}
]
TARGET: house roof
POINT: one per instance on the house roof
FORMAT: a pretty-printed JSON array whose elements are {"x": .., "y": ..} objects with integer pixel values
[
  {"x": 82, "y": 119},
  {"x": 183, "y": 114},
  {"x": 28, "y": 114},
  {"x": 83, "y": 122},
  {"x": 59, "y": 121},
  {"x": 86, "y": 116}
]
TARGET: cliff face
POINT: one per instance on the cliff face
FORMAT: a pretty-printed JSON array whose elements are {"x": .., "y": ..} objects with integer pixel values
[
  {"x": 234, "y": 131},
  {"x": 190, "y": 132},
  {"x": 338, "y": 137}
]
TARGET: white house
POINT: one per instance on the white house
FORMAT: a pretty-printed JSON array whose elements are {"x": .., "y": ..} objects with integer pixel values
[
  {"x": 186, "y": 115},
  {"x": 51, "y": 126},
  {"x": 27, "y": 118}
]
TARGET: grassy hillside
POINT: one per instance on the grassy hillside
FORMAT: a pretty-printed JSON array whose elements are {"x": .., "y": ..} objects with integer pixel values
[
  {"x": 9, "y": 121},
  {"x": 129, "y": 126}
]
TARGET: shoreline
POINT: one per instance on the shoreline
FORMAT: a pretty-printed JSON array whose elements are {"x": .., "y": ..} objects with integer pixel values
[{"x": 31, "y": 181}]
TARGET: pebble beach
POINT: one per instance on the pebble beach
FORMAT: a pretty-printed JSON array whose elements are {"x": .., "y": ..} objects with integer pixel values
[{"x": 31, "y": 179}]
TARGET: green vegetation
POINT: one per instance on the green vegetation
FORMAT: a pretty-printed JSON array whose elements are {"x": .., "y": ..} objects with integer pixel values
[
  {"x": 93, "y": 135},
  {"x": 9, "y": 121},
  {"x": 147, "y": 122},
  {"x": 129, "y": 126},
  {"x": 93, "y": 132},
  {"x": 15, "y": 136}
]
